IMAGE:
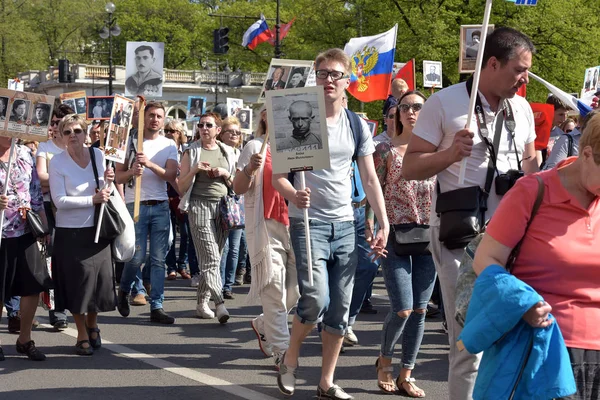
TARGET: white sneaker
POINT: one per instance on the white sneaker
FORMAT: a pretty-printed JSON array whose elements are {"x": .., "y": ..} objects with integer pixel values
[
  {"x": 204, "y": 311},
  {"x": 195, "y": 282},
  {"x": 277, "y": 359},
  {"x": 222, "y": 313},
  {"x": 258, "y": 328},
  {"x": 350, "y": 338}
]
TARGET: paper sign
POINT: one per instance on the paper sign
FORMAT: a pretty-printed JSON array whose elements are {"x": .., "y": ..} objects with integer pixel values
[
  {"x": 25, "y": 115},
  {"x": 118, "y": 130},
  {"x": 76, "y": 100}
]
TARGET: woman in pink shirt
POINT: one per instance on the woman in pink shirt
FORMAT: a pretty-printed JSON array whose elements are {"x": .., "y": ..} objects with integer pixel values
[{"x": 560, "y": 253}]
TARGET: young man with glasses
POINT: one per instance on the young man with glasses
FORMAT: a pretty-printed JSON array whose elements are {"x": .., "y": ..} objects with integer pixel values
[
  {"x": 157, "y": 165},
  {"x": 333, "y": 237}
]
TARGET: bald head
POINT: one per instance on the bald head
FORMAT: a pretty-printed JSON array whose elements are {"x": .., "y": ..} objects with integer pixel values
[{"x": 301, "y": 117}]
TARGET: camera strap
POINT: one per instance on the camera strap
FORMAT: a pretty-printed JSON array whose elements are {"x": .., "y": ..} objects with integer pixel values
[{"x": 507, "y": 118}]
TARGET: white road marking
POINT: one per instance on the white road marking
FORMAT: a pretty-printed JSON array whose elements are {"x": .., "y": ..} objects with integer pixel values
[{"x": 188, "y": 373}]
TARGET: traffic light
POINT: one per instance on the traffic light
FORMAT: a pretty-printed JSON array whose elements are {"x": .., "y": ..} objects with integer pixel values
[
  {"x": 63, "y": 71},
  {"x": 221, "y": 41}
]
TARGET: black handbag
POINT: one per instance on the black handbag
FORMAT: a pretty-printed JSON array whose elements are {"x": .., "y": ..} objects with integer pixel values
[
  {"x": 37, "y": 228},
  {"x": 112, "y": 225},
  {"x": 411, "y": 239}
]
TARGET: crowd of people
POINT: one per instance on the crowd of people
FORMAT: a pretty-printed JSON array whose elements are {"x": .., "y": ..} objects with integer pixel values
[{"x": 394, "y": 202}]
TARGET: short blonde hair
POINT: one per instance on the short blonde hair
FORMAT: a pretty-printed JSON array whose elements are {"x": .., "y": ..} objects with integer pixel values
[
  {"x": 72, "y": 119},
  {"x": 591, "y": 137},
  {"x": 399, "y": 86},
  {"x": 334, "y": 55},
  {"x": 178, "y": 125},
  {"x": 226, "y": 123}
]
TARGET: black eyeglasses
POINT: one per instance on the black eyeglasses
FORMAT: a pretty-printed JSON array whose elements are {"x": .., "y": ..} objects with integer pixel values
[
  {"x": 54, "y": 122},
  {"x": 233, "y": 132},
  {"x": 335, "y": 75},
  {"x": 205, "y": 125},
  {"x": 416, "y": 107},
  {"x": 75, "y": 131},
  {"x": 169, "y": 131}
]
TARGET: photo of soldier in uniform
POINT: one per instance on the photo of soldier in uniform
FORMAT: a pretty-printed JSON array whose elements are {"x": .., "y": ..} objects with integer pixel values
[
  {"x": 41, "y": 115},
  {"x": 470, "y": 41},
  {"x": 300, "y": 137},
  {"x": 144, "y": 69}
]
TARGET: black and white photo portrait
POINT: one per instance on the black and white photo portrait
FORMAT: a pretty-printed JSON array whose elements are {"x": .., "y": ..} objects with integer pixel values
[
  {"x": 245, "y": 118},
  {"x": 297, "y": 78},
  {"x": 301, "y": 133},
  {"x": 99, "y": 107},
  {"x": 470, "y": 41},
  {"x": 19, "y": 111},
  {"x": 195, "y": 107},
  {"x": 3, "y": 108},
  {"x": 70, "y": 103},
  {"x": 144, "y": 69},
  {"x": 80, "y": 104},
  {"x": 234, "y": 106},
  {"x": 41, "y": 114},
  {"x": 432, "y": 74}
]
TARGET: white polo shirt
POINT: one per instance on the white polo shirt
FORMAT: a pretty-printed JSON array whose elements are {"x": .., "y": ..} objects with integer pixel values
[{"x": 445, "y": 113}]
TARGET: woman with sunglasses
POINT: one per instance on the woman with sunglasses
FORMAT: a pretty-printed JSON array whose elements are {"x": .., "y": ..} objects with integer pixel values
[
  {"x": 409, "y": 279},
  {"x": 83, "y": 273},
  {"x": 207, "y": 170},
  {"x": 235, "y": 245},
  {"x": 175, "y": 130}
]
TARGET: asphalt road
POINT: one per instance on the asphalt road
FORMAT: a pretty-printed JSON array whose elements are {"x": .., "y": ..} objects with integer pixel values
[{"x": 200, "y": 359}]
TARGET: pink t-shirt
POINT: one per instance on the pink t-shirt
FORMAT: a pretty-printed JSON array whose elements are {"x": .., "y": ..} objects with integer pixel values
[{"x": 560, "y": 256}]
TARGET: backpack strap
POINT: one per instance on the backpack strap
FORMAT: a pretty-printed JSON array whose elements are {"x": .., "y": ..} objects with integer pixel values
[
  {"x": 356, "y": 128},
  {"x": 570, "y": 149}
]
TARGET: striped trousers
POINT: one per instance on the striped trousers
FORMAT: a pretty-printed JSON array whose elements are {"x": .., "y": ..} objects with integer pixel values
[{"x": 209, "y": 239}]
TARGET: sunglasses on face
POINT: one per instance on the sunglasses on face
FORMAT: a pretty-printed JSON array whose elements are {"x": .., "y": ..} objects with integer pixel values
[
  {"x": 416, "y": 107},
  {"x": 233, "y": 132},
  {"x": 207, "y": 125},
  {"x": 54, "y": 122},
  {"x": 75, "y": 131},
  {"x": 170, "y": 131},
  {"x": 335, "y": 75}
]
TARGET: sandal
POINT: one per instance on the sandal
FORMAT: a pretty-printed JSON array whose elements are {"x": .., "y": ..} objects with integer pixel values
[
  {"x": 415, "y": 391},
  {"x": 383, "y": 386},
  {"x": 84, "y": 351},
  {"x": 97, "y": 342}
]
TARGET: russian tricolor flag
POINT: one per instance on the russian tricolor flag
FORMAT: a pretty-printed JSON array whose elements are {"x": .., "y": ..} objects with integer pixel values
[
  {"x": 566, "y": 98},
  {"x": 372, "y": 65},
  {"x": 258, "y": 33}
]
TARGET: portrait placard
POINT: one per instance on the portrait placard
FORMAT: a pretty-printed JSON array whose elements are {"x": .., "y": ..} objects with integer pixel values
[
  {"x": 432, "y": 74},
  {"x": 195, "y": 107},
  {"x": 16, "y": 84},
  {"x": 144, "y": 69},
  {"x": 245, "y": 117},
  {"x": 470, "y": 37},
  {"x": 99, "y": 107},
  {"x": 591, "y": 85},
  {"x": 25, "y": 115},
  {"x": 288, "y": 74},
  {"x": 234, "y": 106},
  {"x": 299, "y": 136},
  {"x": 118, "y": 129},
  {"x": 76, "y": 100}
]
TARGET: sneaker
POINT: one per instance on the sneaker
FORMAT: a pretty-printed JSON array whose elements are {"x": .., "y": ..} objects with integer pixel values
[
  {"x": 139, "y": 300},
  {"x": 61, "y": 325},
  {"x": 204, "y": 311},
  {"x": 14, "y": 324},
  {"x": 195, "y": 280},
  {"x": 32, "y": 352},
  {"x": 123, "y": 304},
  {"x": 263, "y": 344},
  {"x": 350, "y": 338},
  {"x": 222, "y": 313},
  {"x": 277, "y": 359},
  {"x": 335, "y": 392},
  {"x": 286, "y": 379},
  {"x": 160, "y": 316},
  {"x": 227, "y": 294}
]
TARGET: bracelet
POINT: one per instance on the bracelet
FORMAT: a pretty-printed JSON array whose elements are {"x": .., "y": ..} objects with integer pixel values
[{"x": 250, "y": 176}]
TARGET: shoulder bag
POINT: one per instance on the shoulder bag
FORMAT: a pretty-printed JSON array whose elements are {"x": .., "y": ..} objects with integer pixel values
[
  {"x": 231, "y": 206},
  {"x": 466, "y": 275}
]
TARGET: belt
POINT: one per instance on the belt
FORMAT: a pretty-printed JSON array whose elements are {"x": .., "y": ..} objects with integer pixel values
[
  {"x": 360, "y": 204},
  {"x": 151, "y": 202}
]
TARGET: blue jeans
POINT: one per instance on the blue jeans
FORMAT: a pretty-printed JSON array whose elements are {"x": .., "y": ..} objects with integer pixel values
[
  {"x": 230, "y": 257},
  {"x": 176, "y": 263},
  {"x": 243, "y": 257},
  {"x": 154, "y": 222},
  {"x": 334, "y": 258},
  {"x": 13, "y": 305},
  {"x": 409, "y": 282},
  {"x": 366, "y": 270}
]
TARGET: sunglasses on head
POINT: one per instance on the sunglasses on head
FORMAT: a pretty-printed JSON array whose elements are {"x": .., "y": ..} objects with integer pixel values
[
  {"x": 205, "y": 125},
  {"x": 75, "y": 131},
  {"x": 416, "y": 107}
]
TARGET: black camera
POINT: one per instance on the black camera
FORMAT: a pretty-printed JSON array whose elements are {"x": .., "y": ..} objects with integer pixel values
[{"x": 506, "y": 181}]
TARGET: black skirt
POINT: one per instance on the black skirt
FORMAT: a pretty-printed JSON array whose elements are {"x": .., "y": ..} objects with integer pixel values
[
  {"x": 23, "y": 270},
  {"x": 82, "y": 272}
]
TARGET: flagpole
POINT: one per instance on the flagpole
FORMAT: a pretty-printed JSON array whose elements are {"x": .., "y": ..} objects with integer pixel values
[
  {"x": 277, "y": 33},
  {"x": 476, "y": 75}
]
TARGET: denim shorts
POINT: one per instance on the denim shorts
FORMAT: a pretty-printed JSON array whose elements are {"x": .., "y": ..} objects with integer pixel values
[
  {"x": 334, "y": 259},
  {"x": 586, "y": 369}
]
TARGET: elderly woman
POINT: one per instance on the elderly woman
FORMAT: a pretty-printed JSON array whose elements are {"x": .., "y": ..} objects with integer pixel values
[
  {"x": 560, "y": 253},
  {"x": 235, "y": 244},
  {"x": 22, "y": 267},
  {"x": 175, "y": 130},
  {"x": 83, "y": 273},
  {"x": 275, "y": 281},
  {"x": 206, "y": 174},
  {"x": 409, "y": 279}
]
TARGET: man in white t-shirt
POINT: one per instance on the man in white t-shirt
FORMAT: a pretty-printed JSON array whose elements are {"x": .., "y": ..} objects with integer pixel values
[
  {"x": 328, "y": 197},
  {"x": 440, "y": 141},
  {"x": 157, "y": 165}
]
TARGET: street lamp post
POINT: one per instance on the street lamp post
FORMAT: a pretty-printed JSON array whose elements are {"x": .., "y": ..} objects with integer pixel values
[{"x": 108, "y": 31}]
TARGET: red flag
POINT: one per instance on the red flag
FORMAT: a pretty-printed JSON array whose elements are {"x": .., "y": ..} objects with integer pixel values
[
  {"x": 408, "y": 74},
  {"x": 543, "y": 115},
  {"x": 522, "y": 91},
  {"x": 283, "y": 31}
]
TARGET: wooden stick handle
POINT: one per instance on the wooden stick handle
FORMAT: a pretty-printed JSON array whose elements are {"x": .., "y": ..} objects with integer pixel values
[{"x": 140, "y": 148}]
